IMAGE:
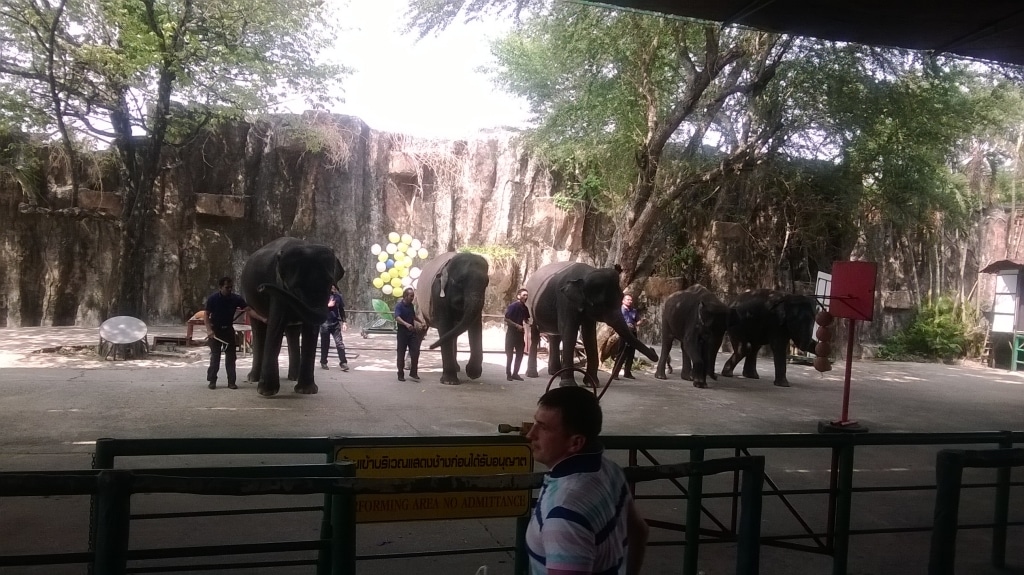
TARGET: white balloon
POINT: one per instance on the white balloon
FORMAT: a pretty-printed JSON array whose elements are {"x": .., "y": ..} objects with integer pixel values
[
  {"x": 387, "y": 289},
  {"x": 391, "y": 248},
  {"x": 406, "y": 281},
  {"x": 375, "y": 249},
  {"x": 381, "y": 266},
  {"x": 415, "y": 245},
  {"x": 422, "y": 253},
  {"x": 414, "y": 273},
  {"x": 415, "y": 284}
]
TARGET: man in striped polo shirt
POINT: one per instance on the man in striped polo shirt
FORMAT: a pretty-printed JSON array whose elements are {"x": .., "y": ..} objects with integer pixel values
[{"x": 585, "y": 521}]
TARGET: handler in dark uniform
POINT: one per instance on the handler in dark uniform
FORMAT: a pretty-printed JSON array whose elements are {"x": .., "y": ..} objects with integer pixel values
[
  {"x": 517, "y": 316},
  {"x": 220, "y": 315}
]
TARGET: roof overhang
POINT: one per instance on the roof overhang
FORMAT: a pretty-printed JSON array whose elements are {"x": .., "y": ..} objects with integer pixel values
[
  {"x": 983, "y": 29},
  {"x": 1002, "y": 265}
]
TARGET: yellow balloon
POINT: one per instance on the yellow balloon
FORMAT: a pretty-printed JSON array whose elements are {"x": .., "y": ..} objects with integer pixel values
[
  {"x": 402, "y": 247},
  {"x": 378, "y": 283},
  {"x": 422, "y": 254},
  {"x": 404, "y": 272},
  {"x": 394, "y": 238},
  {"x": 406, "y": 239},
  {"x": 385, "y": 277},
  {"x": 382, "y": 257},
  {"x": 396, "y": 283}
]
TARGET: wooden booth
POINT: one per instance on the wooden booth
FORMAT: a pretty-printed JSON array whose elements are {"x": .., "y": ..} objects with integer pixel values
[{"x": 1007, "y": 315}]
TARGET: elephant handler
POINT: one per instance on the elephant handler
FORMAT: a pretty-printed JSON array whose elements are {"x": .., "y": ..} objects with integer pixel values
[
  {"x": 585, "y": 520},
  {"x": 220, "y": 329},
  {"x": 332, "y": 327},
  {"x": 632, "y": 317},
  {"x": 517, "y": 317},
  {"x": 410, "y": 335}
]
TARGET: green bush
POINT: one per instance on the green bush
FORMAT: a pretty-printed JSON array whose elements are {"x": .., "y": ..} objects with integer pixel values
[{"x": 939, "y": 330}]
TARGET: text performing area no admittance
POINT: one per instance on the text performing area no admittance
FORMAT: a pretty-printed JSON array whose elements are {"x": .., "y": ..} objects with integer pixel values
[{"x": 426, "y": 460}]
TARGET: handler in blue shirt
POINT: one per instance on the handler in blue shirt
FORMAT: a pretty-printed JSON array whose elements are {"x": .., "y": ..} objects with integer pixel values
[
  {"x": 220, "y": 330},
  {"x": 409, "y": 335}
]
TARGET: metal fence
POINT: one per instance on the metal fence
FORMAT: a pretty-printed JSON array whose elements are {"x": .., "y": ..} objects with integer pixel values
[
  {"x": 833, "y": 540},
  {"x": 113, "y": 490}
]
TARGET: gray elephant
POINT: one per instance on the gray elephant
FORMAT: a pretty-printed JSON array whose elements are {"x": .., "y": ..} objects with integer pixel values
[
  {"x": 768, "y": 317},
  {"x": 288, "y": 281},
  {"x": 698, "y": 319},
  {"x": 566, "y": 301},
  {"x": 453, "y": 302}
]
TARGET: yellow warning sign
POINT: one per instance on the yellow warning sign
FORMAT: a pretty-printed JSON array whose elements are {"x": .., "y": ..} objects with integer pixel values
[{"x": 421, "y": 460}]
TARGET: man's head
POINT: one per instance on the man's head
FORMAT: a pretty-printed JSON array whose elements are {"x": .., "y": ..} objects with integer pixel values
[
  {"x": 566, "y": 421},
  {"x": 226, "y": 285},
  {"x": 627, "y": 300},
  {"x": 408, "y": 295},
  {"x": 522, "y": 294},
  {"x": 334, "y": 288}
]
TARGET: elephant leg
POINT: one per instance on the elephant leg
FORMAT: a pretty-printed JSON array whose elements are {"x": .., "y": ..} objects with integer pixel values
[
  {"x": 730, "y": 364},
  {"x": 555, "y": 354},
  {"x": 449, "y": 355},
  {"x": 270, "y": 377},
  {"x": 588, "y": 331},
  {"x": 306, "y": 383},
  {"x": 750, "y": 361},
  {"x": 710, "y": 355},
  {"x": 450, "y": 362},
  {"x": 690, "y": 366},
  {"x": 475, "y": 367},
  {"x": 292, "y": 334},
  {"x": 780, "y": 353},
  {"x": 531, "y": 357},
  {"x": 666, "y": 348},
  {"x": 259, "y": 338},
  {"x": 699, "y": 363}
]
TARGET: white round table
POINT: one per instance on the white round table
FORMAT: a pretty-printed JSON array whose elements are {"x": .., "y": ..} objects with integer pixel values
[{"x": 121, "y": 331}]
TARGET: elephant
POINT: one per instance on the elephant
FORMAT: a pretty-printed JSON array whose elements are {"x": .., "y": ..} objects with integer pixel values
[
  {"x": 769, "y": 317},
  {"x": 288, "y": 281},
  {"x": 454, "y": 306},
  {"x": 698, "y": 319},
  {"x": 567, "y": 299}
]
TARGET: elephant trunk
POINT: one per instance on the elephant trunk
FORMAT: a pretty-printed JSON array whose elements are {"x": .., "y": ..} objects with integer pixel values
[
  {"x": 470, "y": 315},
  {"x": 305, "y": 313},
  {"x": 615, "y": 320}
]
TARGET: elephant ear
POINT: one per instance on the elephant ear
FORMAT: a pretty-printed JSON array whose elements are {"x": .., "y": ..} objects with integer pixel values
[
  {"x": 442, "y": 277},
  {"x": 339, "y": 272},
  {"x": 573, "y": 290},
  {"x": 701, "y": 322}
]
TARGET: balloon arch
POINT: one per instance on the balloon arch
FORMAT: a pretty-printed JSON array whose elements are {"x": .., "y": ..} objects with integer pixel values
[{"x": 395, "y": 263}]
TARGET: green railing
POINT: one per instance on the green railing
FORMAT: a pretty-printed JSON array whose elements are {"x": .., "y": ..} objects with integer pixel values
[
  {"x": 832, "y": 541},
  {"x": 113, "y": 490}
]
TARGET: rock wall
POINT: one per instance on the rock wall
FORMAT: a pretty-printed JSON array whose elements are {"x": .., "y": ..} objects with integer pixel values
[{"x": 326, "y": 179}]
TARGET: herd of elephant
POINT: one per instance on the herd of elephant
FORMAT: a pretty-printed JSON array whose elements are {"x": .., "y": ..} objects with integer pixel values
[{"x": 288, "y": 282}]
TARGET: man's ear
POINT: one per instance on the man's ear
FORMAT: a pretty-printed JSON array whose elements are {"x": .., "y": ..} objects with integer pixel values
[{"x": 576, "y": 443}]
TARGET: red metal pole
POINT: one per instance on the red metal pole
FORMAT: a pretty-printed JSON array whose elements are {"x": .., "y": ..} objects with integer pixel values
[{"x": 849, "y": 368}]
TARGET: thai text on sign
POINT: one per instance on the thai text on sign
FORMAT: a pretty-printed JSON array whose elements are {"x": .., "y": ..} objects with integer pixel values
[{"x": 426, "y": 460}]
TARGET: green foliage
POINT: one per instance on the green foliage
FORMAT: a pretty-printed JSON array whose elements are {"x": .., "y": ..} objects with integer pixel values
[
  {"x": 224, "y": 57},
  {"x": 495, "y": 252},
  {"x": 939, "y": 330}
]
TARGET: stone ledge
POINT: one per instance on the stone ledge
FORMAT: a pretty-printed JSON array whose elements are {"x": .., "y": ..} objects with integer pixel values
[{"x": 221, "y": 205}]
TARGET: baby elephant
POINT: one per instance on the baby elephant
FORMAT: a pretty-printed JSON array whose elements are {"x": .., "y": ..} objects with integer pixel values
[{"x": 698, "y": 320}]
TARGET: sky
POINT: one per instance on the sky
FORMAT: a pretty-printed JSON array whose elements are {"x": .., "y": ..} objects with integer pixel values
[{"x": 430, "y": 88}]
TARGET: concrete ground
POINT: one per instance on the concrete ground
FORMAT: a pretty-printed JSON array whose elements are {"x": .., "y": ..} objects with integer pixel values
[{"x": 55, "y": 404}]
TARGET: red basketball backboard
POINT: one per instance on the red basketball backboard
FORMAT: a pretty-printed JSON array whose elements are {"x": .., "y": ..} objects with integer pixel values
[{"x": 853, "y": 290}]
